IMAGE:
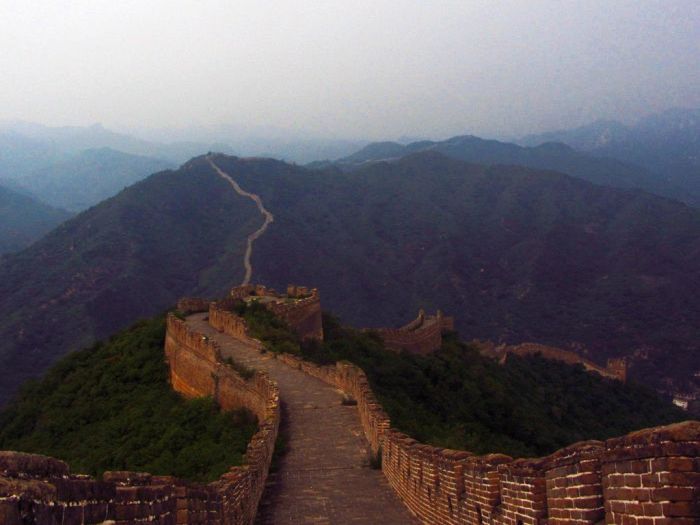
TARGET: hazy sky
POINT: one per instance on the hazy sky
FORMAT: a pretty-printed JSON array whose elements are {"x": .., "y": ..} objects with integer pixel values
[{"x": 361, "y": 69}]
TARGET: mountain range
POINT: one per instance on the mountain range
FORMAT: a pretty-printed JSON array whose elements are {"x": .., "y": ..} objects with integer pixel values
[
  {"x": 555, "y": 156},
  {"x": 514, "y": 253},
  {"x": 667, "y": 144},
  {"x": 88, "y": 177}
]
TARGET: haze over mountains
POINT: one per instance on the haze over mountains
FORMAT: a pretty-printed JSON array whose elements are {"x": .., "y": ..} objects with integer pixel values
[
  {"x": 661, "y": 154},
  {"x": 666, "y": 143},
  {"x": 515, "y": 254},
  {"x": 89, "y": 177}
]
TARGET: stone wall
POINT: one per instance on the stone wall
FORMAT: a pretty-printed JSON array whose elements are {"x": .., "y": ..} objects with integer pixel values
[
  {"x": 197, "y": 369},
  {"x": 224, "y": 320},
  {"x": 191, "y": 305},
  {"x": 647, "y": 477},
  {"x": 40, "y": 490},
  {"x": 37, "y": 489},
  {"x": 423, "y": 335},
  {"x": 615, "y": 368},
  {"x": 303, "y": 314}
]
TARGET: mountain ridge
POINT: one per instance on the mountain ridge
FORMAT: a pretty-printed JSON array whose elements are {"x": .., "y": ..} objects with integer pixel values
[
  {"x": 666, "y": 144},
  {"x": 550, "y": 155},
  {"x": 497, "y": 247}
]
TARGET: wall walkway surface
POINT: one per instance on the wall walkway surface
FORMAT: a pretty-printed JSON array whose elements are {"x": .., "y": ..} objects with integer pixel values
[
  {"x": 325, "y": 475},
  {"x": 646, "y": 477}
]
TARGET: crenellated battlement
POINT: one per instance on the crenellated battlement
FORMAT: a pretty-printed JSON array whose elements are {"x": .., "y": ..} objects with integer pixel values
[
  {"x": 423, "y": 335},
  {"x": 300, "y": 307},
  {"x": 652, "y": 474}
]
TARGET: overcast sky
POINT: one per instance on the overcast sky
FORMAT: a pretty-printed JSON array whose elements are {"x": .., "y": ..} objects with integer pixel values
[{"x": 357, "y": 69}]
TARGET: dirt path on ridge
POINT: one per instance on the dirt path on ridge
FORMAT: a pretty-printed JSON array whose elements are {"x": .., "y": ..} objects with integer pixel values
[{"x": 269, "y": 218}]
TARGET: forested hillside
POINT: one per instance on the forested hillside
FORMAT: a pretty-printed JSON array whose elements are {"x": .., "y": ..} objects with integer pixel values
[
  {"x": 515, "y": 254},
  {"x": 24, "y": 220},
  {"x": 456, "y": 398},
  {"x": 130, "y": 257}
]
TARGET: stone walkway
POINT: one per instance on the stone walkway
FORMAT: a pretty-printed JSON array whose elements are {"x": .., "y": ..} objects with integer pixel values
[{"x": 325, "y": 477}]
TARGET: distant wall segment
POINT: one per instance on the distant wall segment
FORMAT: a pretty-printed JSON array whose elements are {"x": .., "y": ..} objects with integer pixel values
[
  {"x": 423, "y": 335},
  {"x": 615, "y": 368},
  {"x": 300, "y": 307}
]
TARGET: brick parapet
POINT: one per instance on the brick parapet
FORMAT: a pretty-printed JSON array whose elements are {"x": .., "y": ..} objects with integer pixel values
[
  {"x": 582, "y": 484},
  {"x": 224, "y": 320},
  {"x": 38, "y": 489},
  {"x": 240, "y": 489},
  {"x": 303, "y": 314},
  {"x": 192, "y": 305},
  {"x": 423, "y": 335},
  {"x": 653, "y": 474}
]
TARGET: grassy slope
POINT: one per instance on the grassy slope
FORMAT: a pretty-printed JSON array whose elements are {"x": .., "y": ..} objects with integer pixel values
[{"x": 110, "y": 407}]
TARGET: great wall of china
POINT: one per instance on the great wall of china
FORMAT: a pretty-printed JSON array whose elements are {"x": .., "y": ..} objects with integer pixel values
[
  {"x": 616, "y": 368},
  {"x": 647, "y": 477},
  {"x": 268, "y": 218},
  {"x": 423, "y": 335},
  {"x": 38, "y": 489}
]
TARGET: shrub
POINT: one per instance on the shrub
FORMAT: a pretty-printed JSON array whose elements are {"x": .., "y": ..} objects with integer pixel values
[{"x": 110, "y": 407}]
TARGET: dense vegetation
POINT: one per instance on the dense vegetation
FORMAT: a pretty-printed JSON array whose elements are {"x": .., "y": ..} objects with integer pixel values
[
  {"x": 458, "y": 399},
  {"x": 515, "y": 254},
  {"x": 110, "y": 407}
]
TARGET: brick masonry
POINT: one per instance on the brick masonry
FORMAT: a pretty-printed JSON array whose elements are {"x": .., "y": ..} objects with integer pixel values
[
  {"x": 423, "y": 335},
  {"x": 303, "y": 314},
  {"x": 37, "y": 489},
  {"x": 649, "y": 477}
]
